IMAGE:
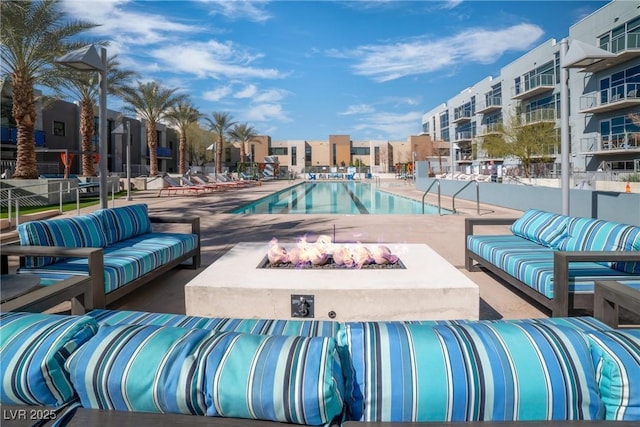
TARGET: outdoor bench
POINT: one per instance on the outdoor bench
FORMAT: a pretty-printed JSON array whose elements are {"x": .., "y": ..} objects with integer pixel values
[
  {"x": 116, "y": 247},
  {"x": 556, "y": 259},
  {"x": 133, "y": 367}
]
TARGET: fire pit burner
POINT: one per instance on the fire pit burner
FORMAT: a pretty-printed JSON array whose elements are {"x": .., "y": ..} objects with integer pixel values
[{"x": 330, "y": 265}]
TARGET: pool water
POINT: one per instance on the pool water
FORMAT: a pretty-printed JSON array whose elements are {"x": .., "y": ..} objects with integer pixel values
[{"x": 351, "y": 198}]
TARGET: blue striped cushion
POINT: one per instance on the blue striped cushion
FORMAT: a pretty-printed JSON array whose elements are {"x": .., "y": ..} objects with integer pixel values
[
  {"x": 588, "y": 234},
  {"x": 124, "y": 222},
  {"x": 467, "y": 372},
  {"x": 33, "y": 350},
  {"x": 143, "y": 368},
  {"x": 305, "y": 328},
  {"x": 77, "y": 232},
  {"x": 276, "y": 378},
  {"x": 532, "y": 264},
  {"x": 126, "y": 261},
  {"x": 616, "y": 355},
  {"x": 542, "y": 227}
]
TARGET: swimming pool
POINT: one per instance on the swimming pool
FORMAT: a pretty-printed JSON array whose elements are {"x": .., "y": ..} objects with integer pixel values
[{"x": 350, "y": 198}]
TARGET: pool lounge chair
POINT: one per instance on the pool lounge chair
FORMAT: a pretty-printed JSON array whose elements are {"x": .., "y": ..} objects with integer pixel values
[
  {"x": 210, "y": 187},
  {"x": 174, "y": 187}
]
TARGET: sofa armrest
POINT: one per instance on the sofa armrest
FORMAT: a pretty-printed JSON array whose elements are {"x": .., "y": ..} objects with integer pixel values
[
  {"x": 469, "y": 226},
  {"x": 95, "y": 258},
  {"x": 471, "y": 223},
  {"x": 561, "y": 261},
  {"x": 183, "y": 219}
]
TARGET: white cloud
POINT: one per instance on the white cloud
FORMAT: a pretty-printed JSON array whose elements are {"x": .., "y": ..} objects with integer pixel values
[
  {"x": 265, "y": 113},
  {"x": 270, "y": 95},
  {"x": 247, "y": 92},
  {"x": 357, "y": 109},
  {"x": 386, "y": 62},
  {"x": 212, "y": 59},
  {"x": 217, "y": 94},
  {"x": 390, "y": 126},
  {"x": 250, "y": 10}
]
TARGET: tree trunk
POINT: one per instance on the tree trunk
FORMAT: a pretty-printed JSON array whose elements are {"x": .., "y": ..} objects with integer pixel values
[
  {"x": 243, "y": 152},
  {"x": 219, "y": 155},
  {"x": 152, "y": 139},
  {"x": 87, "y": 131},
  {"x": 182, "y": 160},
  {"x": 24, "y": 113}
]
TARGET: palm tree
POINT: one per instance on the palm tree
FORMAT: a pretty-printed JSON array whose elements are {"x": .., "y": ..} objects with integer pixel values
[
  {"x": 33, "y": 34},
  {"x": 220, "y": 124},
  {"x": 151, "y": 102},
  {"x": 86, "y": 87},
  {"x": 243, "y": 134},
  {"x": 183, "y": 115}
]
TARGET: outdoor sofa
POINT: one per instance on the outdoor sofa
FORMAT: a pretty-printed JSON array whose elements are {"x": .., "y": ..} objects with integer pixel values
[
  {"x": 132, "y": 366},
  {"x": 555, "y": 259},
  {"x": 116, "y": 247}
]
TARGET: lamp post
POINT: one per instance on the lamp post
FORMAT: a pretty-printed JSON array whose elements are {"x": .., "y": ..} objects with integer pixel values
[
  {"x": 94, "y": 58},
  {"x": 574, "y": 54},
  {"x": 123, "y": 129}
]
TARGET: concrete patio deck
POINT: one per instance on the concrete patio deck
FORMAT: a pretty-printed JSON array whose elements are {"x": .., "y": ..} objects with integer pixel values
[{"x": 220, "y": 231}]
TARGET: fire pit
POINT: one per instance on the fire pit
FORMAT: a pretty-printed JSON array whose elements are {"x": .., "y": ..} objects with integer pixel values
[{"x": 421, "y": 285}]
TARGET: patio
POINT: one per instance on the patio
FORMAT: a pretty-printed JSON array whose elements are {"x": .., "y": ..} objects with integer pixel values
[{"x": 220, "y": 231}]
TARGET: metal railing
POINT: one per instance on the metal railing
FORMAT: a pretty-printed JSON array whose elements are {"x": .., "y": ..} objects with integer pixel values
[
  {"x": 435, "y": 181},
  {"x": 13, "y": 202},
  {"x": 453, "y": 200}
]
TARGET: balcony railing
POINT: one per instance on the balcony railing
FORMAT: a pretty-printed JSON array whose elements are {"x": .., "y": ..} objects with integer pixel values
[
  {"x": 463, "y": 136},
  {"x": 540, "y": 115},
  {"x": 491, "y": 103},
  {"x": 623, "y": 42},
  {"x": 491, "y": 128},
  {"x": 612, "y": 142},
  {"x": 614, "y": 98},
  {"x": 534, "y": 85},
  {"x": 9, "y": 135},
  {"x": 162, "y": 152},
  {"x": 460, "y": 115}
]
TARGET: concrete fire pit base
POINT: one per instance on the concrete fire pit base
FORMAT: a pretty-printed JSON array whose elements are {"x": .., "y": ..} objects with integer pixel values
[{"x": 428, "y": 288}]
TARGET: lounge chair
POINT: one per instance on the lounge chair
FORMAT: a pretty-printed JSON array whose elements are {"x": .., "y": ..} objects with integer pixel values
[
  {"x": 204, "y": 185},
  {"x": 174, "y": 187}
]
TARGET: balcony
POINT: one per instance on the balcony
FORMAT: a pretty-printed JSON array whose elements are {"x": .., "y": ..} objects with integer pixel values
[
  {"x": 534, "y": 86},
  {"x": 541, "y": 115},
  {"x": 615, "y": 98},
  {"x": 616, "y": 143},
  {"x": 491, "y": 129},
  {"x": 462, "y": 137},
  {"x": 491, "y": 104},
  {"x": 626, "y": 47},
  {"x": 9, "y": 135},
  {"x": 163, "y": 152},
  {"x": 461, "y": 116}
]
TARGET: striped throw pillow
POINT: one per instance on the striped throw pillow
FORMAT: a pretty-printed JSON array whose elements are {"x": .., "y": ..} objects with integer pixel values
[
  {"x": 541, "y": 227},
  {"x": 82, "y": 231},
  {"x": 276, "y": 378},
  {"x": 616, "y": 355},
  {"x": 476, "y": 371},
  {"x": 124, "y": 222},
  {"x": 144, "y": 368},
  {"x": 588, "y": 234},
  {"x": 33, "y": 350}
]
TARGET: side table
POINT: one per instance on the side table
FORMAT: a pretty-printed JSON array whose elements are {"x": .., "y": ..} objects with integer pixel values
[
  {"x": 76, "y": 289},
  {"x": 608, "y": 296}
]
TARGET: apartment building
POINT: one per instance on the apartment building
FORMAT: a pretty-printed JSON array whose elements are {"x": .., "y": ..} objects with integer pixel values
[{"x": 603, "y": 94}]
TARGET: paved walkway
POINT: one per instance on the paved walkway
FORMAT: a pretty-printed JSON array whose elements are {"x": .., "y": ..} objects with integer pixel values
[{"x": 221, "y": 230}]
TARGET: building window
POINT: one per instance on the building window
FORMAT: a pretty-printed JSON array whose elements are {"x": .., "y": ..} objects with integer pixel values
[
  {"x": 334, "y": 154},
  {"x": 294, "y": 155},
  {"x": 360, "y": 151},
  {"x": 58, "y": 128},
  {"x": 376, "y": 156},
  {"x": 278, "y": 151}
]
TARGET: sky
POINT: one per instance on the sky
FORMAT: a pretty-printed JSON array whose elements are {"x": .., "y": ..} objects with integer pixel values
[{"x": 304, "y": 70}]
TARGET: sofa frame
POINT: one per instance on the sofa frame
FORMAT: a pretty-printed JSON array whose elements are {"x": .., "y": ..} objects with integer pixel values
[
  {"x": 95, "y": 258},
  {"x": 563, "y": 300}
]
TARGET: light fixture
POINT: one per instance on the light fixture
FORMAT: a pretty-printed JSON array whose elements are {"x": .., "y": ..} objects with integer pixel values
[{"x": 94, "y": 58}]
